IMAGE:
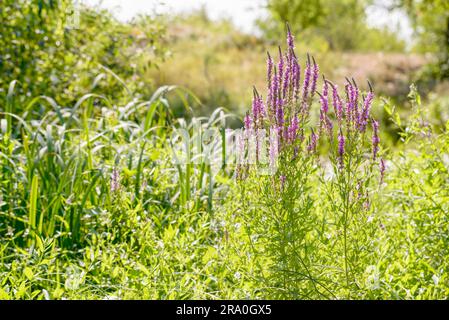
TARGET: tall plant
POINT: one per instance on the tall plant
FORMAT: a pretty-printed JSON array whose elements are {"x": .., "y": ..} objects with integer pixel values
[{"x": 309, "y": 235}]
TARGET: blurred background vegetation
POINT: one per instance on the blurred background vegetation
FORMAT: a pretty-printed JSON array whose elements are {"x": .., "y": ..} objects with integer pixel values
[{"x": 213, "y": 58}]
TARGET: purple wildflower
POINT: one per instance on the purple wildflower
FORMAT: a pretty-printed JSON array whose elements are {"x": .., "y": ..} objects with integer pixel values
[
  {"x": 313, "y": 142},
  {"x": 115, "y": 180},
  {"x": 363, "y": 119},
  {"x": 144, "y": 185},
  {"x": 376, "y": 138},
  {"x": 255, "y": 108},
  {"x": 341, "y": 148},
  {"x": 349, "y": 102},
  {"x": 258, "y": 107},
  {"x": 269, "y": 67},
  {"x": 355, "y": 100},
  {"x": 307, "y": 75},
  {"x": 280, "y": 68},
  {"x": 324, "y": 103},
  {"x": 367, "y": 203},
  {"x": 240, "y": 141},
  {"x": 315, "y": 74},
  {"x": 286, "y": 82},
  {"x": 280, "y": 117},
  {"x": 273, "y": 148},
  {"x": 292, "y": 130},
  {"x": 325, "y": 87},
  {"x": 247, "y": 121},
  {"x": 269, "y": 76},
  {"x": 323, "y": 111},
  {"x": 290, "y": 38},
  {"x": 338, "y": 106},
  {"x": 352, "y": 112},
  {"x": 274, "y": 91},
  {"x": 329, "y": 127},
  {"x": 290, "y": 50},
  {"x": 262, "y": 109},
  {"x": 382, "y": 170},
  {"x": 296, "y": 77}
]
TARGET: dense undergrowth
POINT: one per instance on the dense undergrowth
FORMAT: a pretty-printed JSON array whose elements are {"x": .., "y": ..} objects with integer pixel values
[{"x": 96, "y": 204}]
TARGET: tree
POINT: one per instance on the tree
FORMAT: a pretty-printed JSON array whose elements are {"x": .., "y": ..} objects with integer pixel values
[
  {"x": 340, "y": 23},
  {"x": 57, "y": 48},
  {"x": 430, "y": 19}
]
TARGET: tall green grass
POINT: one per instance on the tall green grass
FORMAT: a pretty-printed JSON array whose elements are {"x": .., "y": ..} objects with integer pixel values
[{"x": 57, "y": 162}]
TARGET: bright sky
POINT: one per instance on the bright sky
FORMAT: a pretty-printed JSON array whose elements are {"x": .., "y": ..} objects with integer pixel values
[{"x": 243, "y": 13}]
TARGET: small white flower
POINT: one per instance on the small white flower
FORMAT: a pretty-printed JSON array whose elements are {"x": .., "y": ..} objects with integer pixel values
[{"x": 435, "y": 279}]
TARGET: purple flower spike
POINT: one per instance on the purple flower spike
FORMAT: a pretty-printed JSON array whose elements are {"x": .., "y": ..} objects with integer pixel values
[
  {"x": 280, "y": 116},
  {"x": 325, "y": 87},
  {"x": 280, "y": 68},
  {"x": 313, "y": 142},
  {"x": 338, "y": 105},
  {"x": 290, "y": 48},
  {"x": 329, "y": 127},
  {"x": 255, "y": 106},
  {"x": 269, "y": 68},
  {"x": 324, "y": 103},
  {"x": 269, "y": 78},
  {"x": 115, "y": 180},
  {"x": 352, "y": 112},
  {"x": 315, "y": 74},
  {"x": 341, "y": 148},
  {"x": 274, "y": 147},
  {"x": 307, "y": 76},
  {"x": 258, "y": 107},
  {"x": 364, "y": 116},
  {"x": 292, "y": 130},
  {"x": 349, "y": 103},
  {"x": 323, "y": 111},
  {"x": 274, "y": 92},
  {"x": 376, "y": 138},
  {"x": 355, "y": 99},
  {"x": 290, "y": 38},
  {"x": 286, "y": 83},
  {"x": 247, "y": 121},
  {"x": 382, "y": 170},
  {"x": 296, "y": 77}
]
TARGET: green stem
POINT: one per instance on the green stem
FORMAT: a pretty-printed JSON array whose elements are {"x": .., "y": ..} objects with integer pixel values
[{"x": 345, "y": 222}]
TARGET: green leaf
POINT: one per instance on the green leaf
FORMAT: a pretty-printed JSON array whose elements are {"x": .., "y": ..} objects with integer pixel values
[
  {"x": 4, "y": 295},
  {"x": 28, "y": 273},
  {"x": 33, "y": 202}
]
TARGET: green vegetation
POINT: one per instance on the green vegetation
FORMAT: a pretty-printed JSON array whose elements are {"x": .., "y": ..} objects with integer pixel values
[
  {"x": 337, "y": 24},
  {"x": 101, "y": 199},
  {"x": 50, "y": 51},
  {"x": 431, "y": 23}
]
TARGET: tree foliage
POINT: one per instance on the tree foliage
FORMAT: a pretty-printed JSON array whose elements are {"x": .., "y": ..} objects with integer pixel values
[
  {"x": 341, "y": 24},
  {"x": 430, "y": 19},
  {"x": 55, "y": 47}
]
